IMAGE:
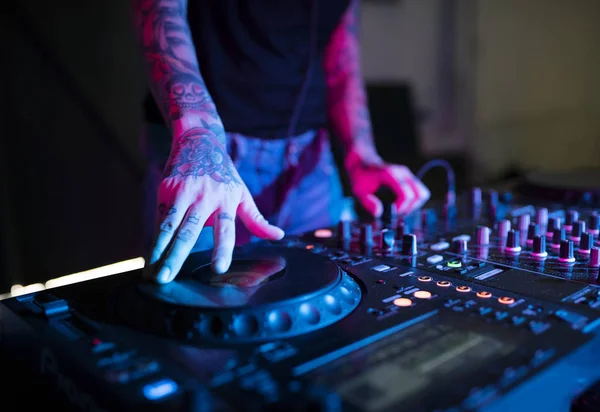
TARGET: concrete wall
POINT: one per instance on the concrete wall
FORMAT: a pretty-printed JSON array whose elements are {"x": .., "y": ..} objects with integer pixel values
[{"x": 538, "y": 85}]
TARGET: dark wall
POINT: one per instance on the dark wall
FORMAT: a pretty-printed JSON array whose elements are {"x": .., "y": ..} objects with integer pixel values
[{"x": 70, "y": 165}]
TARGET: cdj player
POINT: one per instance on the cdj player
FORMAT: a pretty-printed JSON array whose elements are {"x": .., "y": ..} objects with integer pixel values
[{"x": 490, "y": 303}]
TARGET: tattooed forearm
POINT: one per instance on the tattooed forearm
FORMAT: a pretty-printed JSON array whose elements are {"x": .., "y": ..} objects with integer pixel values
[
  {"x": 346, "y": 96},
  {"x": 170, "y": 57},
  {"x": 200, "y": 152}
]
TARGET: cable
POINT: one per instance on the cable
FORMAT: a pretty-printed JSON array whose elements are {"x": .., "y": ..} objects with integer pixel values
[{"x": 451, "y": 194}]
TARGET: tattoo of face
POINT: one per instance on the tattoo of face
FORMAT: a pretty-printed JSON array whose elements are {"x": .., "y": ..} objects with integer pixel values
[
  {"x": 194, "y": 219},
  {"x": 201, "y": 152},
  {"x": 169, "y": 52},
  {"x": 225, "y": 216}
]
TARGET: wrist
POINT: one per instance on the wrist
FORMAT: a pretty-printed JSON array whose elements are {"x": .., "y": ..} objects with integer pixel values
[{"x": 359, "y": 157}]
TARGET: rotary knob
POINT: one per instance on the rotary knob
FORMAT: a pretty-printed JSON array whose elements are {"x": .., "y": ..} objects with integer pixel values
[
  {"x": 401, "y": 230},
  {"x": 524, "y": 221},
  {"x": 389, "y": 217},
  {"x": 566, "y": 254},
  {"x": 475, "y": 199},
  {"x": 460, "y": 246},
  {"x": 594, "y": 223},
  {"x": 504, "y": 228},
  {"x": 539, "y": 247},
  {"x": 558, "y": 236},
  {"x": 409, "y": 244},
  {"x": 483, "y": 235},
  {"x": 553, "y": 223},
  {"x": 428, "y": 217},
  {"x": 366, "y": 239},
  {"x": 571, "y": 217},
  {"x": 541, "y": 217},
  {"x": 532, "y": 231},
  {"x": 594, "y": 257},
  {"x": 492, "y": 197},
  {"x": 512, "y": 241},
  {"x": 387, "y": 240},
  {"x": 577, "y": 230},
  {"x": 586, "y": 242},
  {"x": 344, "y": 234}
]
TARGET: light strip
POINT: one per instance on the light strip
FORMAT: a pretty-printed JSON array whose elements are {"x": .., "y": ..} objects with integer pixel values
[{"x": 108, "y": 270}]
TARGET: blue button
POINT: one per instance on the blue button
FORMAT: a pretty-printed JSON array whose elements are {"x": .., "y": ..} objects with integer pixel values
[{"x": 160, "y": 389}]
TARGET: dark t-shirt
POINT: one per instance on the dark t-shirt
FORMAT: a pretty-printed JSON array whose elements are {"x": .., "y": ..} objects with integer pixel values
[{"x": 256, "y": 56}]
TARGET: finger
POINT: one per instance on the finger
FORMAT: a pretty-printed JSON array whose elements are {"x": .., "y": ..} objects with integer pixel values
[
  {"x": 423, "y": 194},
  {"x": 224, "y": 237},
  {"x": 371, "y": 204},
  {"x": 182, "y": 243},
  {"x": 254, "y": 220},
  {"x": 167, "y": 222},
  {"x": 404, "y": 199}
]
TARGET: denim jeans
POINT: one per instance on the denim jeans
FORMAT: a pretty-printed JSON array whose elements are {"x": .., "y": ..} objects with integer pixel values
[{"x": 295, "y": 182}]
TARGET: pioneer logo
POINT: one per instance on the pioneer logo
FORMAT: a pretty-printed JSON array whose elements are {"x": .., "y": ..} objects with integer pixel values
[{"x": 65, "y": 384}]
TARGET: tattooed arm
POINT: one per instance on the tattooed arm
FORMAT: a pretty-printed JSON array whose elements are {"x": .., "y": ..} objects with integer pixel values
[
  {"x": 346, "y": 96},
  {"x": 201, "y": 186},
  {"x": 349, "y": 117}
]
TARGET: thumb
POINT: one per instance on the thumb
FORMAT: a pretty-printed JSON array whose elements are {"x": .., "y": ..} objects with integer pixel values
[
  {"x": 254, "y": 220},
  {"x": 372, "y": 204}
]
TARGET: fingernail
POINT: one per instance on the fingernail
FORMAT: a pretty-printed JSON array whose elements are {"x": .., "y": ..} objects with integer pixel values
[{"x": 164, "y": 275}]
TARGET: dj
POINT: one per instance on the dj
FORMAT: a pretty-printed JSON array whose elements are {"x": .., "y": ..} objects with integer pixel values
[{"x": 245, "y": 92}]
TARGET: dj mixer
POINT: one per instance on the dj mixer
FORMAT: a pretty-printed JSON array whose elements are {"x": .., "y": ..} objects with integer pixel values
[{"x": 487, "y": 303}]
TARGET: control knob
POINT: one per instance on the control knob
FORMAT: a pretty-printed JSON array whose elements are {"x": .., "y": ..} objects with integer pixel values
[
  {"x": 366, "y": 238},
  {"x": 401, "y": 230},
  {"x": 387, "y": 240},
  {"x": 571, "y": 217},
  {"x": 475, "y": 197},
  {"x": 553, "y": 223},
  {"x": 483, "y": 235},
  {"x": 594, "y": 223},
  {"x": 492, "y": 197},
  {"x": 428, "y": 217},
  {"x": 539, "y": 247},
  {"x": 577, "y": 230},
  {"x": 504, "y": 228},
  {"x": 512, "y": 241},
  {"x": 409, "y": 244},
  {"x": 595, "y": 257},
  {"x": 541, "y": 217},
  {"x": 532, "y": 231},
  {"x": 389, "y": 217},
  {"x": 524, "y": 221},
  {"x": 344, "y": 234},
  {"x": 586, "y": 242},
  {"x": 558, "y": 236},
  {"x": 460, "y": 246},
  {"x": 566, "y": 254}
]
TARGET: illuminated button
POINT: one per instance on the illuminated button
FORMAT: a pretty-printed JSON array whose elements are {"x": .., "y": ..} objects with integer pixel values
[
  {"x": 309, "y": 247},
  {"x": 381, "y": 268},
  {"x": 435, "y": 259},
  {"x": 484, "y": 294},
  {"x": 403, "y": 302},
  {"x": 323, "y": 233},
  {"x": 159, "y": 389},
  {"x": 425, "y": 278},
  {"x": 422, "y": 294},
  {"x": 438, "y": 247},
  {"x": 444, "y": 283},
  {"x": 506, "y": 300},
  {"x": 463, "y": 288},
  {"x": 454, "y": 264}
]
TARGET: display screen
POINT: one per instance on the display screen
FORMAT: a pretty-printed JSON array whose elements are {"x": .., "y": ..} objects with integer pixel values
[{"x": 390, "y": 371}]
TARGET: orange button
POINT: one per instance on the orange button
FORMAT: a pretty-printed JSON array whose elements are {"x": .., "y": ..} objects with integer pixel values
[
  {"x": 506, "y": 300},
  {"x": 323, "y": 233},
  {"x": 444, "y": 283},
  {"x": 403, "y": 302},
  {"x": 484, "y": 294},
  {"x": 309, "y": 247},
  {"x": 425, "y": 278},
  {"x": 463, "y": 288},
  {"x": 422, "y": 294}
]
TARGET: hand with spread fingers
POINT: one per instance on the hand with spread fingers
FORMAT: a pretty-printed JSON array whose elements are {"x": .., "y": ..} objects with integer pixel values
[
  {"x": 201, "y": 188},
  {"x": 367, "y": 178}
]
